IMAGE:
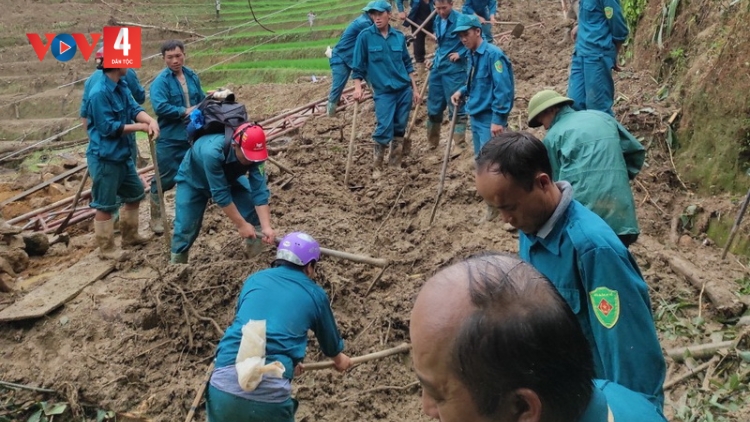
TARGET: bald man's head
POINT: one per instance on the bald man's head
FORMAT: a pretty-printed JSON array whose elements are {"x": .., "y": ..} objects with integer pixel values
[{"x": 491, "y": 330}]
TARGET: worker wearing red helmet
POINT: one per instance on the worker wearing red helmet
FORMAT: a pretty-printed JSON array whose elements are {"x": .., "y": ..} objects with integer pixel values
[
  {"x": 134, "y": 85},
  {"x": 232, "y": 173}
]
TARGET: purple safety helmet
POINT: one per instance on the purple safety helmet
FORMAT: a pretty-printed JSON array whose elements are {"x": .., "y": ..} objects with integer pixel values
[{"x": 298, "y": 248}]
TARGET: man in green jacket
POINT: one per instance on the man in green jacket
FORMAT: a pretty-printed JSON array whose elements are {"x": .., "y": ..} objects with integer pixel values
[{"x": 595, "y": 154}]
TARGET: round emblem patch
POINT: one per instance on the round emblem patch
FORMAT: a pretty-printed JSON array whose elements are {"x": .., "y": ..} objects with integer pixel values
[{"x": 499, "y": 66}]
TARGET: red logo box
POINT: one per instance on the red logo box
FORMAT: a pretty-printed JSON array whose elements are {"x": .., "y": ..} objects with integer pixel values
[{"x": 122, "y": 46}]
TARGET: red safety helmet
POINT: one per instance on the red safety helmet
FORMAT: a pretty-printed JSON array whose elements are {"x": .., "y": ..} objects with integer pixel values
[{"x": 252, "y": 141}]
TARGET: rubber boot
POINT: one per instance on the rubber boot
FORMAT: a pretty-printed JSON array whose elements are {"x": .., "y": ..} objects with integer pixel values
[
  {"x": 433, "y": 133},
  {"x": 330, "y": 109},
  {"x": 396, "y": 152},
  {"x": 377, "y": 163},
  {"x": 459, "y": 137},
  {"x": 157, "y": 220},
  {"x": 178, "y": 258},
  {"x": 129, "y": 228},
  {"x": 105, "y": 239}
]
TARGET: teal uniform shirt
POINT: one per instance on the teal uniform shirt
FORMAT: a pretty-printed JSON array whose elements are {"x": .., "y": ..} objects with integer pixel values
[
  {"x": 110, "y": 107},
  {"x": 291, "y": 304},
  {"x": 168, "y": 101},
  {"x": 601, "y": 282},
  {"x": 384, "y": 62},
  {"x": 490, "y": 86},
  {"x": 611, "y": 402},
  {"x": 413, "y": 9},
  {"x": 447, "y": 43},
  {"x": 598, "y": 156},
  {"x": 134, "y": 85},
  {"x": 601, "y": 24},
  {"x": 206, "y": 169},
  {"x": 344, "y": 49},
  {"x": 484, "y": 8}
]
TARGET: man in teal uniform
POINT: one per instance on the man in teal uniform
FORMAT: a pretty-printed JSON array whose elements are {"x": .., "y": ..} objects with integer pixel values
[
  {"x": 382, "y": 59},
  {"x": 110, "y": 113},
  {"x": 593, "y": 152},
  {"x": 485, "y": 11},
  {"x": 175, "y": 93},
  {"x": 269, "y": 295},
  {"x": 233, "y": 175},
  {"x": 447, "y": 75},
  {"x": 134, "y": 85},
  {"x": 489, "y": 87},
  {"x": 510, "y": 349},
  {"x": 341, "y": 60},
  {"x": 599, "y": 35},
  {"x": 581, "y": 256}
]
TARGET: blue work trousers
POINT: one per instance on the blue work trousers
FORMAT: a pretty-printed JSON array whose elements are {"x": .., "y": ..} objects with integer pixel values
[
  {"x": 114, "y": 183},
  {"x": 340, "y": 73},
  {"x": 190, "y": 204},
  {"x": 392, "y": 111},
  {"x": 441, "y": 87},
  {"x": 169, "y": 154},
  {"x": 591, "y": 85},
  {"x": 225, "y": 407},
  {"x": 487, "y": 33},
  {"x": 481, "y": 124}
]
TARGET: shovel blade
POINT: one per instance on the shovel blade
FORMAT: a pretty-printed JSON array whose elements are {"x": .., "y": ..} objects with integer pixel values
[{"x": 517, "y": 30}]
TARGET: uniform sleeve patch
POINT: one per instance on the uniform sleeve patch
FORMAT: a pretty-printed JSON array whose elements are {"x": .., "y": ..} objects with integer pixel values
[
  {"x": 262, "y": 169},
  {"x": 499, "y": 66},
  {"x": 608, "y": 12},
  {"x": 606, "y": 306}
]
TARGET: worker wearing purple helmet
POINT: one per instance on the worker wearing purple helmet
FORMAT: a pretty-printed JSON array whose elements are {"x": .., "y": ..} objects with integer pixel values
[{"x": 269, "y": 295}]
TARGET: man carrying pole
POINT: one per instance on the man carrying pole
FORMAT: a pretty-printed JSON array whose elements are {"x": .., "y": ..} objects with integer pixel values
[
  {"x": 447, "y": 75},
  {"x": 381, "y": 58},
  {"x": 111, "y": 110}
]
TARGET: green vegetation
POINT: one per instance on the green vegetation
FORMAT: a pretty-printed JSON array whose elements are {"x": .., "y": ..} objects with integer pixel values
[{"x": 633, "y": 9}]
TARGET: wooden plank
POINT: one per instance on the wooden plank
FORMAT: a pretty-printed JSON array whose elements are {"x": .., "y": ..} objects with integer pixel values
[
  {"x": 59, "y": 289},
  {"x": 43, "y": 185}
]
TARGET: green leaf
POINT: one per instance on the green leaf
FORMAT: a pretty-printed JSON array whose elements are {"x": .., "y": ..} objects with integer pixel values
[
  {"x": 744, "y": 355},
  {"x": 671, "y": 15},
  {"x": 55, "y": 408},
  {"x": 37, "y": 416}
]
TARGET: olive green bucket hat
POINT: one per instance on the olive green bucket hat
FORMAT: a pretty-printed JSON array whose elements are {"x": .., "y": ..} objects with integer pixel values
[{"x": 543, "y": 100}]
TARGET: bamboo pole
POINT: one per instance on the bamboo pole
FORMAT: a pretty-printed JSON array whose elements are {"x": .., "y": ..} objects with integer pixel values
[{"x": 402, "y": 348}]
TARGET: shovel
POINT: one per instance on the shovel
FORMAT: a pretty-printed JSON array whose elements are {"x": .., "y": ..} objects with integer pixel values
[{"x": 517, "y": 30}]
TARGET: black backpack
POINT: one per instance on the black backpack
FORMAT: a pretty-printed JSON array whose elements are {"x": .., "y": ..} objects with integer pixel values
[{"x": 214, "y": 116}]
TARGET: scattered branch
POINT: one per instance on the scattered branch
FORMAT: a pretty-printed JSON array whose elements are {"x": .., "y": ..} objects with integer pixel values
[{"x": 26, "y": 387}]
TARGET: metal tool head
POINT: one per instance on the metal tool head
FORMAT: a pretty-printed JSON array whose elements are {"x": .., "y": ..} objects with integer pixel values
[{"x": 517, "y": 30}]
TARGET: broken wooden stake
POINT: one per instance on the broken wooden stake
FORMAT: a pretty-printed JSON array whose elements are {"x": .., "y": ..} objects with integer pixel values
[
  {"x": 446, "y": 157},
  {"x": 699, "y": 351},
  {"x": 718, "y": 291},
  {"x": 363, "y": 259},
  {"x": 281, "y": 166},
  {"x": 199, "y": 394},
  {"x": 736, "y": 225},
  {"x": 402, "y": 348},
  {"x": 691, "y": 372}
]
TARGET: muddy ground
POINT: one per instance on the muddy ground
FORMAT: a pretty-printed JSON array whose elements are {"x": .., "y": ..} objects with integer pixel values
[{"x": 140, "y": 340}]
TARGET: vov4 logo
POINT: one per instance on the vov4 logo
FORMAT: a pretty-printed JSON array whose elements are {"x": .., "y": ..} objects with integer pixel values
[{"x": 122, "y": 46}]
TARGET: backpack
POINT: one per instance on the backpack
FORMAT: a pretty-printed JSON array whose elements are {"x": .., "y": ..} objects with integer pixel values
[{"x": 214, "y": 116}]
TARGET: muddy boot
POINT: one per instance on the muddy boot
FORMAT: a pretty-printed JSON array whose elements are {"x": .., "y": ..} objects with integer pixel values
[
  {"x": 129, "y": 228},
  {"x": 105, "y": 239},
  {"x": 459, "y": 137},
  {"x": 330, "y": 109},
  {"x": 157, "y": 220},
  {"x": 178, "y": 258},
  {"x": 377, "y": 164},
  {"x": 396, "y": 152},
  {"x": 433, "y": 133}
]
